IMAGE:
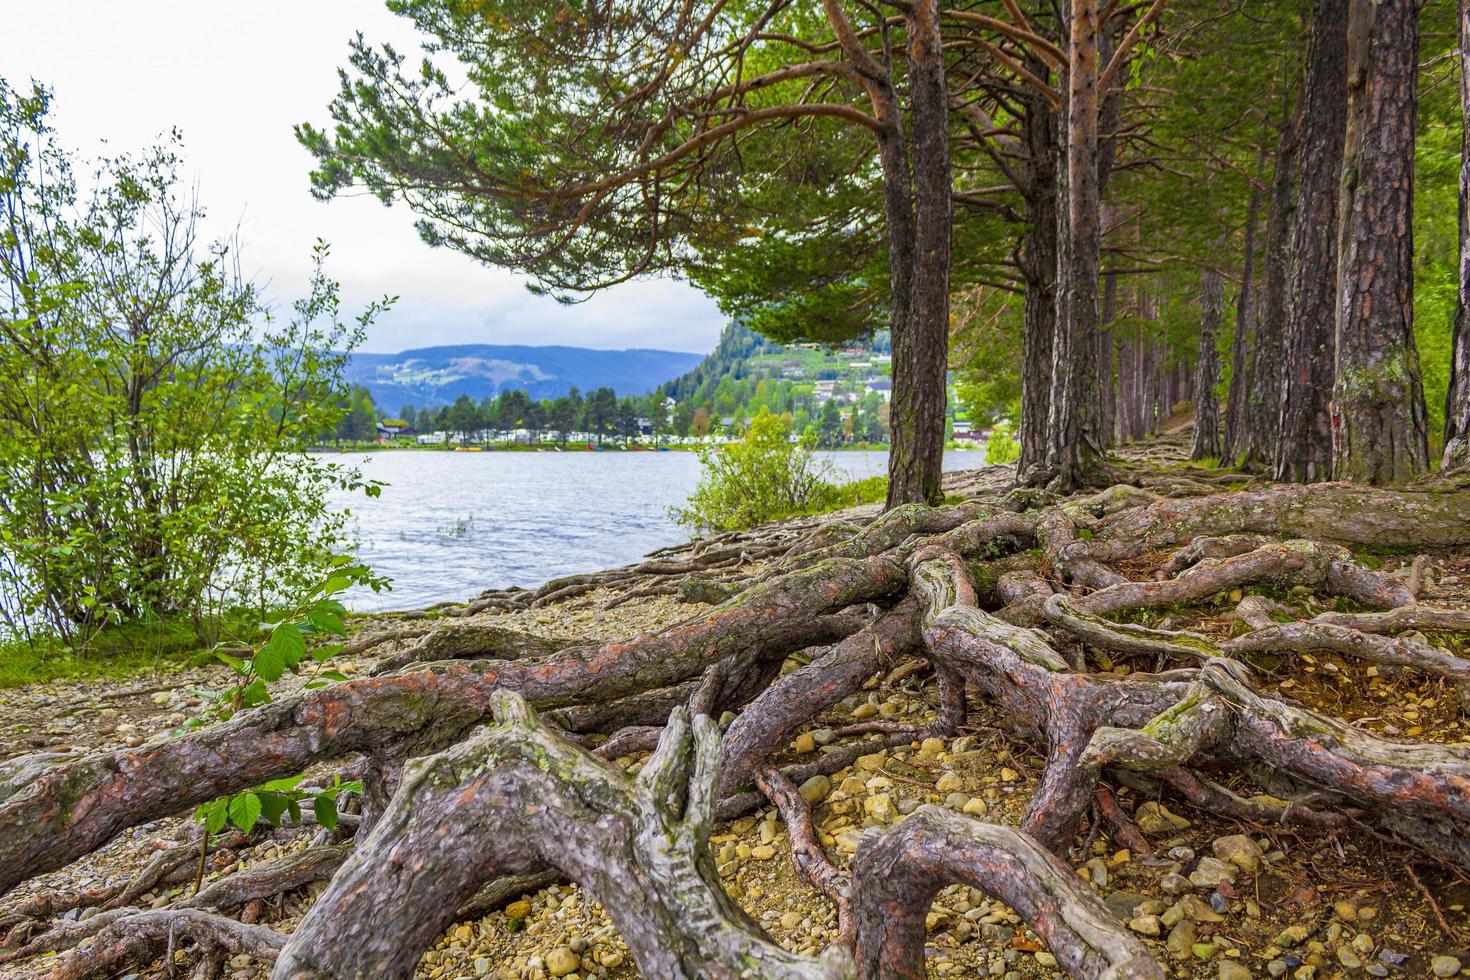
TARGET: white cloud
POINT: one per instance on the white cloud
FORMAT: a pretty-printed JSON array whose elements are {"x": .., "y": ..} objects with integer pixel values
[{"x": 234, "y": 78}]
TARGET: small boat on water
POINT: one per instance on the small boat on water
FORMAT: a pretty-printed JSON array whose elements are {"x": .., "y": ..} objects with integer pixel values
[{"x": 469, "y": 449}]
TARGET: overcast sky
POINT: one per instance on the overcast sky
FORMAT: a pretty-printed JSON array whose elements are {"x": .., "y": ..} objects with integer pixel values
[{"x": 233, "y": 78}]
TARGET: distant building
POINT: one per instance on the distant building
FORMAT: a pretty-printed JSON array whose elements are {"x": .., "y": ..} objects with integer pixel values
[
  {"x": 433, "y": 438},
  {"x": 884, "y": 388},
  {"x": 393, "y": 428}
]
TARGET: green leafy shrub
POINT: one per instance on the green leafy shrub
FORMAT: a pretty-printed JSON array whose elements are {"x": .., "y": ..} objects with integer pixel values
[
  {"x": 764, "y": 477},
  {"x": 1001, "y": 446},
  {"x": 155, "y": 410}
]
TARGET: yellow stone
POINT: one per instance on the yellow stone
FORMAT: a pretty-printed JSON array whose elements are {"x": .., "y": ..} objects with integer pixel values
[
  {"x": 518, "y": 910},
  {"x": 763, "y": 852},
  {"x": 804, "y": 743},
  {"x": 949, "y": 783}
]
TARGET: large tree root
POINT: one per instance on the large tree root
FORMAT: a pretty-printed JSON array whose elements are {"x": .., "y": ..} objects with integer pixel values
[
  {"x": 639, "y": 846},
  {"x": 460, "y": 818},
  {"x": 52, "y": 811},
  {"x": 146, "y": 935},
  {"x": 898, "y": 874}
]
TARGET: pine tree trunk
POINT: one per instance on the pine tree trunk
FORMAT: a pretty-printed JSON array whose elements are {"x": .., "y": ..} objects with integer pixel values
[
  {"x": 1074, "y": 448},
  {"x": 1457, "y": 400},
  {"x": 1207, "y": 372},
  {"x": 1380, "y": 429},
  {"x": 1038, "y": 261},
  {"x": 916, "y": 456},
  {"x": 1105, "y": 421},
  {"x": 1244, "y": 332},
  {"x": 1304, "y": 450},
  {"x": 1262, "y": 426}
]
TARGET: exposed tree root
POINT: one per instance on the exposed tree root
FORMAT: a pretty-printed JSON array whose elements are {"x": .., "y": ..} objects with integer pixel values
[
  {"x": 639, "y": 846},
  {"x": 145, "y": 935},
  {"x": 1009, "y": 596}
]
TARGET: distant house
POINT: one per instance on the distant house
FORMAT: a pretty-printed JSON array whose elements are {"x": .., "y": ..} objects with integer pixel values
[
  {"x": 393, "y": 428},
  {"x": 964, "y": 429},
  {"x": 433, "y": 438},
  {"x": 884, "y": 388}
]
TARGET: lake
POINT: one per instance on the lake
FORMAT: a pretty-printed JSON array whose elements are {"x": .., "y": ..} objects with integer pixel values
[{"x": 450, "y": 525}]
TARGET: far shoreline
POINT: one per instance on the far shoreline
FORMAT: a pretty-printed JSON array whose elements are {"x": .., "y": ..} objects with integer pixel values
[{"x": 368, "y": 449}]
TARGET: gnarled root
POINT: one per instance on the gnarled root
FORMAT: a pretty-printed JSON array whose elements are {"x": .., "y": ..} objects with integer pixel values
[
  {"x": 897, "y": 875},
  {"x": 518, "y": 796},
  {"x": 145, "y": 935},
  {"x": 637, "y": 845}
]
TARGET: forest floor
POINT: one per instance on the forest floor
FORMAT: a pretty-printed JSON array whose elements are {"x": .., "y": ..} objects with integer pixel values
[{"x": 1218, "y": 897}]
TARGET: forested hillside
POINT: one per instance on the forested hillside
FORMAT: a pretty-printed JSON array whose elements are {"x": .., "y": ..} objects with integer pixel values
[
  {"x": 433, "y": 376},
  {"x": 842, "y": 393}
]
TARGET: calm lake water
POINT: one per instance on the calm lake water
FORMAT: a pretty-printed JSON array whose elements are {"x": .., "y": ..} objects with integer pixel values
[{"x": 450, "y": 525}]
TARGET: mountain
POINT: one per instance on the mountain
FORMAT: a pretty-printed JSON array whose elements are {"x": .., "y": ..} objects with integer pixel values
[{"x": 432, "y": 376}]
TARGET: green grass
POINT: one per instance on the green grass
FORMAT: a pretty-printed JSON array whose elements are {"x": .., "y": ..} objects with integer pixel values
[
  {"x": 116, "y": 653},
  {"x": 873, "y": 489}
]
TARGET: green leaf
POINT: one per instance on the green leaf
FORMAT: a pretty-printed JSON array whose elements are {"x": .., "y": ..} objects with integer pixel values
[
  {"x": 254, "y": 693},
  {"x": 269, "y": 661},
  {"x": 214, "y": 815},
  {"x": 283, "y": 785},
  {"x": 325, "y": 808},
  {"x": 326, "y": 622},
  {"x": 288, "y": 639},
  {"x": 245, "y": 810},
  {"x": 235, "y": 663},
  {"x": 272, "y": 805},
  {"x": 327, "y": 651}
]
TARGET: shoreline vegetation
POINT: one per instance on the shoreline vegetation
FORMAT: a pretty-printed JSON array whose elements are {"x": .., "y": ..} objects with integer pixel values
[
  {"x": 367, "y": 448},
  {"x": 166, "y": 645}
]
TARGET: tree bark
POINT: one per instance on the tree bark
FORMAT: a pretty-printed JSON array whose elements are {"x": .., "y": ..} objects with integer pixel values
[
  {"x": 1074, "y": 448},
  {"x": 1207, "y": 372},
  {"x": 917, "y": 208},
  {"x": 1304, "y": 450},
  {"x": 1380, "y": 428},
  {"x": 1038, "y": 262},
  {"x": 1235, "y": 412},
  {"x": 1262, "y": 428},
  {"x": 1457, "y": 399},
  {"x": 916, "y": 457}
]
